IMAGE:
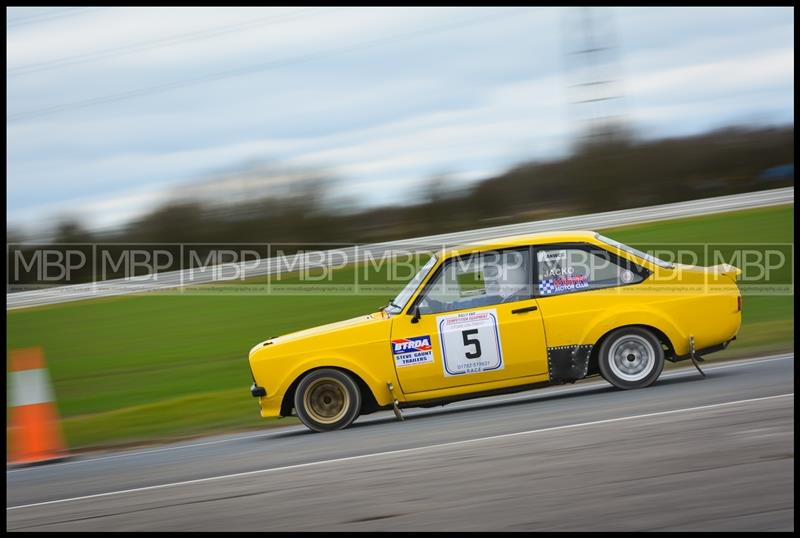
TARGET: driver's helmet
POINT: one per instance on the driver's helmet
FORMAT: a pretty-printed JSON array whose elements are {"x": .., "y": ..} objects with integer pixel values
[{"x": 505, "y": 279}]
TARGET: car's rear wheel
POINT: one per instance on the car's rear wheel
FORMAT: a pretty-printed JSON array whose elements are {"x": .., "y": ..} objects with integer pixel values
[
  {"x": 631, "y": 358},
  {"x": 327, "y": 399}
]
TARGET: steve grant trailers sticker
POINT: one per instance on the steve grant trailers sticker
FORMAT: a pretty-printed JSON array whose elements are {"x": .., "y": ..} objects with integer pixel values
[
  {"x": 470, "y": 342},
  {"x": 413, "y": 350}
]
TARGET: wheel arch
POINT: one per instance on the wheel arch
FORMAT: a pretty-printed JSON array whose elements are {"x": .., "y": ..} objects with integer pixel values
[
  {"x": 669, "y": 348},
  {"x": 369, "y": 403}
]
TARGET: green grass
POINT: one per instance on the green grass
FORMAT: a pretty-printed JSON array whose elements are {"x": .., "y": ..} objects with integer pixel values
[
  {"x": 202, "y": 414},
  {"x": 161, "y": 366}
]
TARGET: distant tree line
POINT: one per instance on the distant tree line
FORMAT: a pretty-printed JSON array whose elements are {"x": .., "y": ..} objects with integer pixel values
[{"x": 604, "y": 175}]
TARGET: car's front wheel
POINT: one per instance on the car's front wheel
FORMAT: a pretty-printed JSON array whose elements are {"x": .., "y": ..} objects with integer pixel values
[
  {"x": 631, "y": 358},
  {"x": 327, "y": 399}
]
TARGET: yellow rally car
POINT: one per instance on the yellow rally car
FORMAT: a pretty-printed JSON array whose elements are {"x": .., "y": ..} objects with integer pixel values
[{"x": 513, "y": 314}]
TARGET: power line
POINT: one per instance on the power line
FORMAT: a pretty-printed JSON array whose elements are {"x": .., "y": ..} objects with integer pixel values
[
  {"x": 596, "y": 100},
  {"x": 176, "y": 39},
  {"x": 160, "y": 88},
  {"x": 45, "y": 17}
]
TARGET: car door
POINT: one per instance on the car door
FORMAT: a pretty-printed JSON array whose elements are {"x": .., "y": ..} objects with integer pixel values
[{"x": 478, "y": 323}]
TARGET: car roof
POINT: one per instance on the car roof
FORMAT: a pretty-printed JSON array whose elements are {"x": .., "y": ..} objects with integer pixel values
[{"x": 524, "y": 240}]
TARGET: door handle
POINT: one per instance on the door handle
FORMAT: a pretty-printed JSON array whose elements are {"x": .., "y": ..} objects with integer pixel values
[{"x": 526, "y": 309}]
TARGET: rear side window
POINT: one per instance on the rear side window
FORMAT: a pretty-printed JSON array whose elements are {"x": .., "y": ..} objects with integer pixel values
[{"x": 573, "y": 268}]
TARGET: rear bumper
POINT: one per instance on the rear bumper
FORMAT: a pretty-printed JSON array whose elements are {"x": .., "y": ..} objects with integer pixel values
[{"x": 701, "y": 352}]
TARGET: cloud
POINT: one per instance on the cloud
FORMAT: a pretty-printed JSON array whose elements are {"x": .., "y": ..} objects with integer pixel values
[
  {"x": 381, "y": 118},
  {"x": 733, "y": 75}
]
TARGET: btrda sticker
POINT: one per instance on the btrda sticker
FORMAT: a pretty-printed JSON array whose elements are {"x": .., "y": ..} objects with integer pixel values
[{"x": 413, "y": 350}]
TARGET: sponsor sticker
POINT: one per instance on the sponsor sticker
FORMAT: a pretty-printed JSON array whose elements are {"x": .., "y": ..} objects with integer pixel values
[
  {"x": 559, "y": 271},
  {"x": 470, "y": 343},
  {"x": 549, "y": 286},
  {"x": 551, "y": 256},
  {"x": 413, "y": 350},
  {"x": 553, "y": 263}
]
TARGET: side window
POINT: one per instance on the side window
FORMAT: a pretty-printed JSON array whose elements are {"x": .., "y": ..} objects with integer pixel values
[
  {"x": 481, "y": 279},
  {"x": 567, "y": 269}
]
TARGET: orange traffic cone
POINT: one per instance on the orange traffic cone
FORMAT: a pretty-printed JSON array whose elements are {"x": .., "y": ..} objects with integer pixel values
[{"x": 35, "y": 430}]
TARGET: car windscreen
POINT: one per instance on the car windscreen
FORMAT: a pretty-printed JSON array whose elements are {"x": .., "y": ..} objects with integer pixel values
[{"x": 399, "y": 303}]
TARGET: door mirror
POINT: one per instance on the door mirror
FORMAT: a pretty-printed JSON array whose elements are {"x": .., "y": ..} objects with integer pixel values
[{"x": 415, "y": 313}]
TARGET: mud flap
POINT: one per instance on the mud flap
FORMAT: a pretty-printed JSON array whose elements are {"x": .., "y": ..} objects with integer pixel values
[
  {"x": 395, "y": 404},
  {"x": 696, "y": 359},
  {"x": 568, "y": 363}
]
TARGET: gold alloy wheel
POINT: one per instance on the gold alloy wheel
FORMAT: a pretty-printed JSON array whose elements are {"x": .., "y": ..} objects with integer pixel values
[{"x": 326, "y": 400}]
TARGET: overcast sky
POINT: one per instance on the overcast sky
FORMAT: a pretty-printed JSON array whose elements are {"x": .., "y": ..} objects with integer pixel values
[{"x": 108, "y": 108}]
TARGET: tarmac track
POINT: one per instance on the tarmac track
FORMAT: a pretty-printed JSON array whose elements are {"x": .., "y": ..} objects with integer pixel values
[{"x": 685, "y": 454}]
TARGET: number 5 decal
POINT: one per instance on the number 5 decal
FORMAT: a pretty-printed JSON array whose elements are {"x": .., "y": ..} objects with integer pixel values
[{"x": 470, "y": 342}]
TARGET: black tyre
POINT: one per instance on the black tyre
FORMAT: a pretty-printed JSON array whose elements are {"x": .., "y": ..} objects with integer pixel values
[
  {"x": 631, "y": 358},
  {"x": 327, "y": 399}
]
